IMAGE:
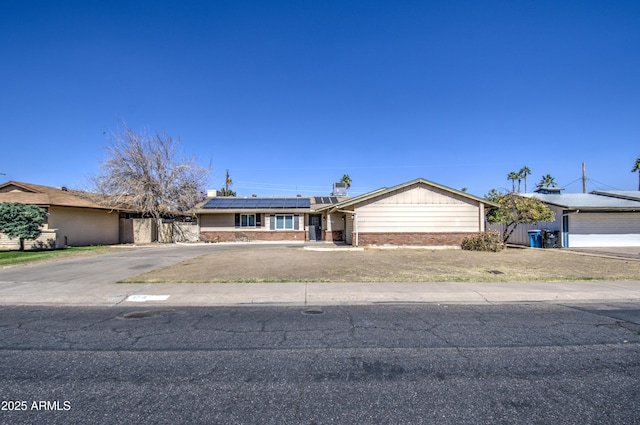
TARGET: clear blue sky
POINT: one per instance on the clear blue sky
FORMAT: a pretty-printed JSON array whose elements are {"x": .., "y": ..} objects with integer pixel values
[{"x": 290, "y": 95}]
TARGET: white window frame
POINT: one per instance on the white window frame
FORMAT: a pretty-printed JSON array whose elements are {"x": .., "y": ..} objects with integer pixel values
[{"x": 283, "y": 224}]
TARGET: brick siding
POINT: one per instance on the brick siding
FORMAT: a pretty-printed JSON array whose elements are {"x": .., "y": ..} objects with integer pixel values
[
  {"x": 249, "y": 235},
  {"x": 415, "y": 239},
  {"x": 333, "y": 235}
]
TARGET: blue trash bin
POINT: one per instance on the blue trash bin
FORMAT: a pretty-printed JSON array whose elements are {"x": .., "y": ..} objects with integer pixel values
[{"x": 535, "y": 238}]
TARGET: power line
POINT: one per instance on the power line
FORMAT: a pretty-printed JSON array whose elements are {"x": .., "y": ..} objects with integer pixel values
[
  {"x": 603, "y": 184},
  {"x": 596, "y": 183},
  {"x": 292, "y": 188},
  {"x": 574, "y": 181}
]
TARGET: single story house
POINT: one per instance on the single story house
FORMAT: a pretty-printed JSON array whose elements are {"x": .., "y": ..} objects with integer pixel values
[
  {"x": 234, "y": 219},
  {"x": 418, "y": 212},
  {"x": 596, "y": 219},
  {"x": 73, "y": 219}
]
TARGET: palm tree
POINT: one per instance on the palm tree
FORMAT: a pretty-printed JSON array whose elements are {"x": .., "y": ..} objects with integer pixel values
[
  {"x": 346, "y": 180},
  {"x": 513, "y": 176},
  {"x": 524, "y": 172},
  {"x": 547, "y": 181},
  {"x": 636, "y": 167}
]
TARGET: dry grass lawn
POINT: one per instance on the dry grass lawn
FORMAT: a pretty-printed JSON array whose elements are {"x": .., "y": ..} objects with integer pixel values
[{"x": 399, "y": 265}]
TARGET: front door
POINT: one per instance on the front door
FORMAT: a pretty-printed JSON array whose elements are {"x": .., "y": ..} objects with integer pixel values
[{"x": 315, "y": 227}]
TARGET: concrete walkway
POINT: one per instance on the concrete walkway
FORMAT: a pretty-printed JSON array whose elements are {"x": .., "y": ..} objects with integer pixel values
[{"x": 621, "y": 252}]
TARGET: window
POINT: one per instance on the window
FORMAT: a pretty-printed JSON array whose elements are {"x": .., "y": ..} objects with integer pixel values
[
  {"x": 284, "y": 222},
  {"x": 248, "y": 220}
]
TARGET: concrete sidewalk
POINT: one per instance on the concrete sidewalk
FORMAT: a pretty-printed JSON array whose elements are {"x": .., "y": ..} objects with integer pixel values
[
  {"x": 91, "y": 281},
  {"x": 226, "y": 294}
]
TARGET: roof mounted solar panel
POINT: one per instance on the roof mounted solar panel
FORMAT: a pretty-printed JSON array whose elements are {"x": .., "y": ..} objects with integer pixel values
[
  {"x": 325, "y": 199},
  {"x": 257, "y": 203}
]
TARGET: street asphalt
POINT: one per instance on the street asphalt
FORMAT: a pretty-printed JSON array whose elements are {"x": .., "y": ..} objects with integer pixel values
[{"x": 92, "y": 281}]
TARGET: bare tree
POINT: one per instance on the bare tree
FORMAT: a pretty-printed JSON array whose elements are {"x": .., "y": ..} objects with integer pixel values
[{"x": 147, "y": 173}]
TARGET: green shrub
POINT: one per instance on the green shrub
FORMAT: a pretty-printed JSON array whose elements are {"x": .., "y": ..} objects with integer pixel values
[{"x": 484, "y": 241}]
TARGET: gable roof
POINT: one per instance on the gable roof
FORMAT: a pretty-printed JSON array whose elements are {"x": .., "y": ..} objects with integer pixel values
[
  {"x": 46, "y": 196},
  {"x": 383, "y": 191}
]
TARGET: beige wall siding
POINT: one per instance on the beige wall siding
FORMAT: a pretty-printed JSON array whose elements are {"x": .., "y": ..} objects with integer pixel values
[
  {"x": 418, "y": 208},
  {"x": 47, "y": 239},
  {"x": 210, "y": 222},
  {"x": 80, "y": 226},
  {"x": 349, "y": 230},
  {"x": 83, "y": 226},
  {"x": 185, "y": 232},
  {"x": 422, "y": 195},
  {"x": 335, "y": 221},
  {"x": 226, "y": 222},
  {"x": 418, "y": 218},
  {"x": 138, "y": 230}
]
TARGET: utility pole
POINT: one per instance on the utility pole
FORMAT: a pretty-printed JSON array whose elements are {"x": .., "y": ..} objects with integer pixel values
[
  {"x": 584, "y": 178},
  {"x": 227, "y": 182}
]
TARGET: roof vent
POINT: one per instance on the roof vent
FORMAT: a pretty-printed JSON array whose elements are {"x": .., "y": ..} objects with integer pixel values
[{"x": 546, "y": 190}]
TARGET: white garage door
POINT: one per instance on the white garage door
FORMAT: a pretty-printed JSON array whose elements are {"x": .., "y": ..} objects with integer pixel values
[{"x": 604, "y": 229}]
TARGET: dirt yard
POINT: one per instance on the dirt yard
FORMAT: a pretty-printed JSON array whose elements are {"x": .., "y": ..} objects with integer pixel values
[{"x": 399, "y": 265}]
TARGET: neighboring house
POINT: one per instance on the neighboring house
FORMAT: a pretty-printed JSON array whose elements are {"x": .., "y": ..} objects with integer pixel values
[
  {"x": 72, "y": 218},
  {"x": 596, "y": 219},
  {"x": 418, "y": 212}
]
